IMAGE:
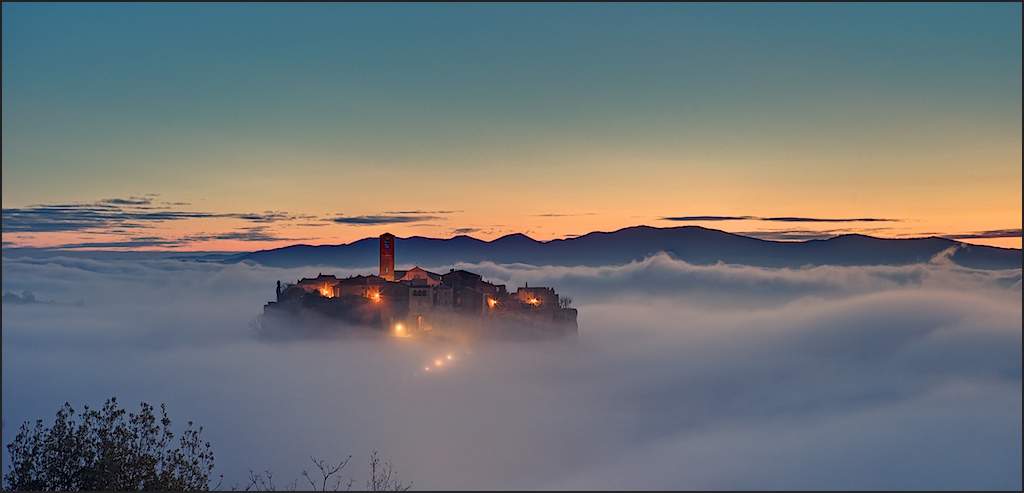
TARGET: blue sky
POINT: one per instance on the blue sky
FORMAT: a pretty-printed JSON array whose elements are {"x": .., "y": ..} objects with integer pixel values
[{"x": 551, "y": 120}]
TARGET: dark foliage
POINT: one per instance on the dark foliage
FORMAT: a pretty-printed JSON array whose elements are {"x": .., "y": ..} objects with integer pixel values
[{"x": 105, "y": 450}]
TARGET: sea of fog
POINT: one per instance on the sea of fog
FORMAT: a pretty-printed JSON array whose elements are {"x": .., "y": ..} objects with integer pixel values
[{"x": 683, "y": 376}]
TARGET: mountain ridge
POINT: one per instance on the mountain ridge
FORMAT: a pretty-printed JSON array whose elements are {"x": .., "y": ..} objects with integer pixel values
[{"x": 693, "y": 244}]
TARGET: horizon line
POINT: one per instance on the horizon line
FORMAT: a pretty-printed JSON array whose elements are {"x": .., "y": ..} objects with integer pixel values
[{"x": 768, "y": 236}]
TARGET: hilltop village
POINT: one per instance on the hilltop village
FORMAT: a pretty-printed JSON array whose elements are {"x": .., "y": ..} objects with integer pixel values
[{"x": 418, "y": 303}]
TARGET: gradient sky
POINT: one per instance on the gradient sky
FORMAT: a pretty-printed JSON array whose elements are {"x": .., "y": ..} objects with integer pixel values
[{"x": 253, "y": 126}]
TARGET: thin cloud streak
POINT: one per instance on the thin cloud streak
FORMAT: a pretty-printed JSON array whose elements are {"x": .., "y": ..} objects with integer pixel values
[
  {"x": 123, "y": 214},
  {"x": 255, "y": 234},
  {"x": 139, "y": 201},
  {"x": 801, "y": 235},
  {"x": 392, "y": 217},
  {"x": 777, "y": 219},
  {"x": 383, "y": 219},
  {"x": 708, "y": 218},
  {"x": 824, "y": 220},
  {"x": 567, "y": 215},
  {"x": 998, "y": 233},
  {"x": 140, "y": 242},
  {"x": 420, "y": 212}
]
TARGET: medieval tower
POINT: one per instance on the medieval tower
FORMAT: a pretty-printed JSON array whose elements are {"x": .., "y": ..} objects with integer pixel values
[{"x": 387, "y": 256}]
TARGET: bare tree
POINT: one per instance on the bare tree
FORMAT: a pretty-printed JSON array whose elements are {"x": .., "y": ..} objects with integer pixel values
[
  {"x": 326, "y": 471},
  {"x": 257, "y": 482},
  {"x": 383, "y": 476}
]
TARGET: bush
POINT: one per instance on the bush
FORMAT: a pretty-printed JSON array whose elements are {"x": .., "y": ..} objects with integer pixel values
[{"x": 106, "y": 451}]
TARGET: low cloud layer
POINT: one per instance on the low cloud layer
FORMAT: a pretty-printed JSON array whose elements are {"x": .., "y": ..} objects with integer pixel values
[{"x": 683, "y": 377}]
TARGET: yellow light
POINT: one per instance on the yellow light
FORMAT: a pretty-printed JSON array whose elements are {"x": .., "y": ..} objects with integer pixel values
[
  {"x": 438, "y": 363},
  {"x": 492, "y": 302},
  {"x": 326, "y": 291},
  {"x": 533, "y": 301},
  {"x": 375, "y": 296},
  {"x": 449, "y": 356}
]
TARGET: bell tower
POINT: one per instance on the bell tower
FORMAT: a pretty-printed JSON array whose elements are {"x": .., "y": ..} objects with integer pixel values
[{"x": 387, "y": 256}]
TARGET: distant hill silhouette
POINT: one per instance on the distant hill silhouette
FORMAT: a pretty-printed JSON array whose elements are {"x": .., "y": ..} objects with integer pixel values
[{"x": 692, "y": 244}]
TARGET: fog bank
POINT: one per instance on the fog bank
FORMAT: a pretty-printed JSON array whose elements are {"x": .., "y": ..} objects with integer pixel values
[{"x": 683, "y": 377}]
